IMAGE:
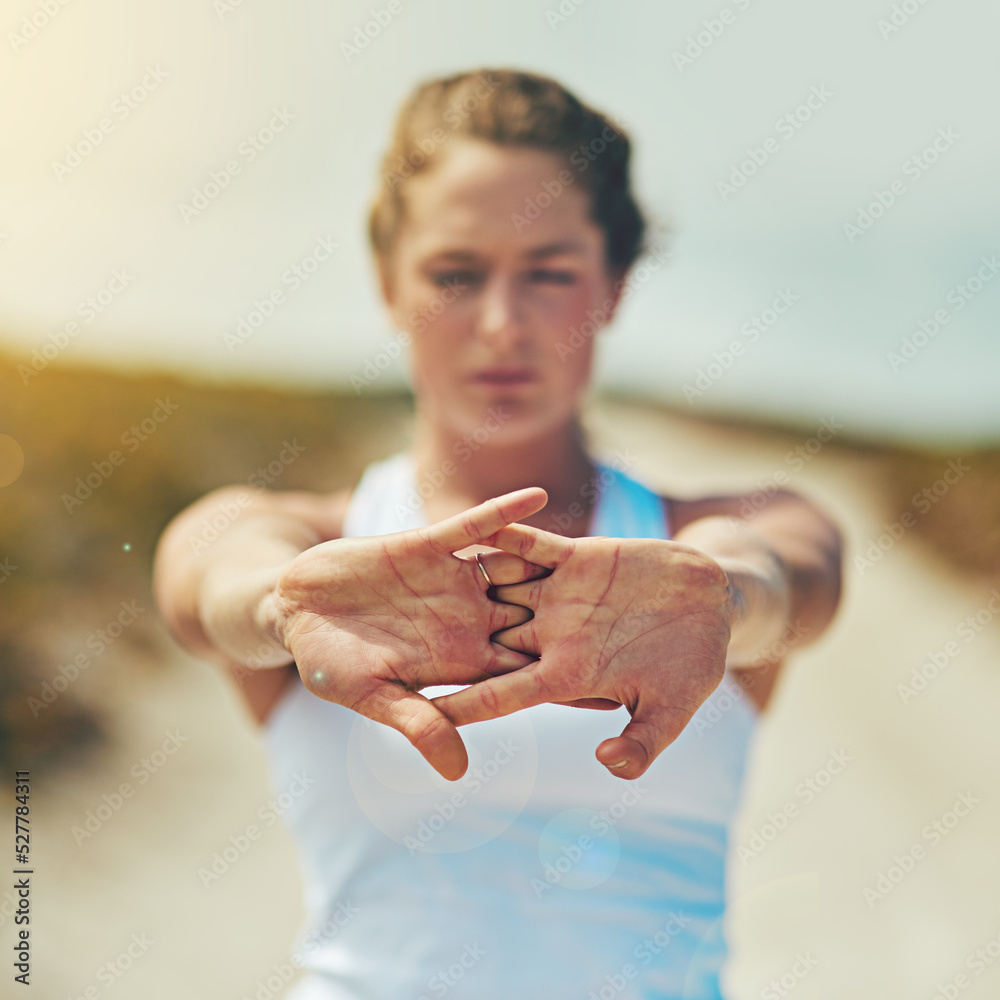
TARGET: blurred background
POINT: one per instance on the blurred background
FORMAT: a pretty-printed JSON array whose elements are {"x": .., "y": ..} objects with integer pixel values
[{"x": 165, "y": 167}]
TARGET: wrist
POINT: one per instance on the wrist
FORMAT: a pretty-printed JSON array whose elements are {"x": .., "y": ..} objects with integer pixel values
[
  {"x": 757, "y": 609},
  {"x": 239, "y": 613},
  {"x": 759, "y": 603}
]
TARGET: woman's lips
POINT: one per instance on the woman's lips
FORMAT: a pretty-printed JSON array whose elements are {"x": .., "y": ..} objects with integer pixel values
[{"x": 505, "y": 376}]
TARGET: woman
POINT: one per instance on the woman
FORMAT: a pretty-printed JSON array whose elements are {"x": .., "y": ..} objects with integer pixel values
[{"x": 509, "y": 863}]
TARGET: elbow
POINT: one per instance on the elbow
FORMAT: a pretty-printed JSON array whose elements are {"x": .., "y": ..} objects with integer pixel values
[
  {"x": 818, "y": 585},
  {"x": 178, "y": 567}
]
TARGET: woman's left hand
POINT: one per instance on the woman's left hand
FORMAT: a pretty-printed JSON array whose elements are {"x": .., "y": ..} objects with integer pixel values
[{"x": 639, "y": 622}]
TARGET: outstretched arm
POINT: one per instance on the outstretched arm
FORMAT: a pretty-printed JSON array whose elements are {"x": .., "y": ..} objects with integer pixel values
[
  {"x": 783, "y": 565},
  {"x": 650, "y": 623},
  {"x": 367, "y": 621}
]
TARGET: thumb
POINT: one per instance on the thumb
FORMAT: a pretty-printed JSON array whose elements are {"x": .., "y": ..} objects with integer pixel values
[
  {"x": 652, "y": 729},
  {"x": 422, "y": 723}
]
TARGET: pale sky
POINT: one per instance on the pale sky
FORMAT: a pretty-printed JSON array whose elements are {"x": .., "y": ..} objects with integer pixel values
[{"x": 157, "y": 97}]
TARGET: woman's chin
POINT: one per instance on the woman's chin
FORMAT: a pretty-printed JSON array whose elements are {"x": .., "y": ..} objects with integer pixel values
[{"x": 510, "y": 423}]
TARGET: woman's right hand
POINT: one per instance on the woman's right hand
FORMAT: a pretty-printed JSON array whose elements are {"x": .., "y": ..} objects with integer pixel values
[{"x": 372, "y": 620}]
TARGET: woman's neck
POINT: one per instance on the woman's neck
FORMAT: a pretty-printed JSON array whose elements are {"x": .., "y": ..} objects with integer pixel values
[{"x": 455, "y": 472}]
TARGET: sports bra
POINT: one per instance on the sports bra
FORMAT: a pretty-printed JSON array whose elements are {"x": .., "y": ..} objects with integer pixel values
[{"x": 536, "y": 875}]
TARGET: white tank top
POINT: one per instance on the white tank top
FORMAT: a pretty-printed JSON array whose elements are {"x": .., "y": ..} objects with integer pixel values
[{"x": 538, "y": 874}]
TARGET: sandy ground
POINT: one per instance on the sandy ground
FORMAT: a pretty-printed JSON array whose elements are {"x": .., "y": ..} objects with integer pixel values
[{"x": 882, "y": 774}]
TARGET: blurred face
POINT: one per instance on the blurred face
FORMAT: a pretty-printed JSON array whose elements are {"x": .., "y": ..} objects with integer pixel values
[{"x": 497, "y": 304}]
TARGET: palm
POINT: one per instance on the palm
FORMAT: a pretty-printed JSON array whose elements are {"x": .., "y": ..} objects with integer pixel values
[
  {"x": 370, "y": 621},
  {"x": 397, "y": 611},
  {"x": 637, "y": 622}
]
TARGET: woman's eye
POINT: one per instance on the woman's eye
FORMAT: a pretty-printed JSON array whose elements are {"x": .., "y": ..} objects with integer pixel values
[
  {"x": 553, "y": 277},
  {"x": 445, "y": 278}
]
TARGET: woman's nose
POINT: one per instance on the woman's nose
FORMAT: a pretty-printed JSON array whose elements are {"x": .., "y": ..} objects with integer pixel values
[{"x": 501, "y": 318}]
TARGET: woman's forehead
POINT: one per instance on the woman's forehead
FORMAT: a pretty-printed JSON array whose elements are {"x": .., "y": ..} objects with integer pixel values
[
  {"x": 471, "y": 212},
  {"x": 472, "y": 172}
]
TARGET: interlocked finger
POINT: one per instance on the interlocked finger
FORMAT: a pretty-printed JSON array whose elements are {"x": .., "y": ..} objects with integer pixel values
[
  {"x": 527, "y": 594},
  {"x": 521, "y": 639},
  {"x": 506, "y": 616},
  {"x": 499, "y": 696},
  {"x": 504, "y": 568}
]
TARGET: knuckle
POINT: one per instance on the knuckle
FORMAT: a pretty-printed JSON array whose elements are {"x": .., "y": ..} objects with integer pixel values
[
  {"x": 489, "y": 698},
  {"x": 704, "y": 572},
  {"x": 425, "y": 728}
]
